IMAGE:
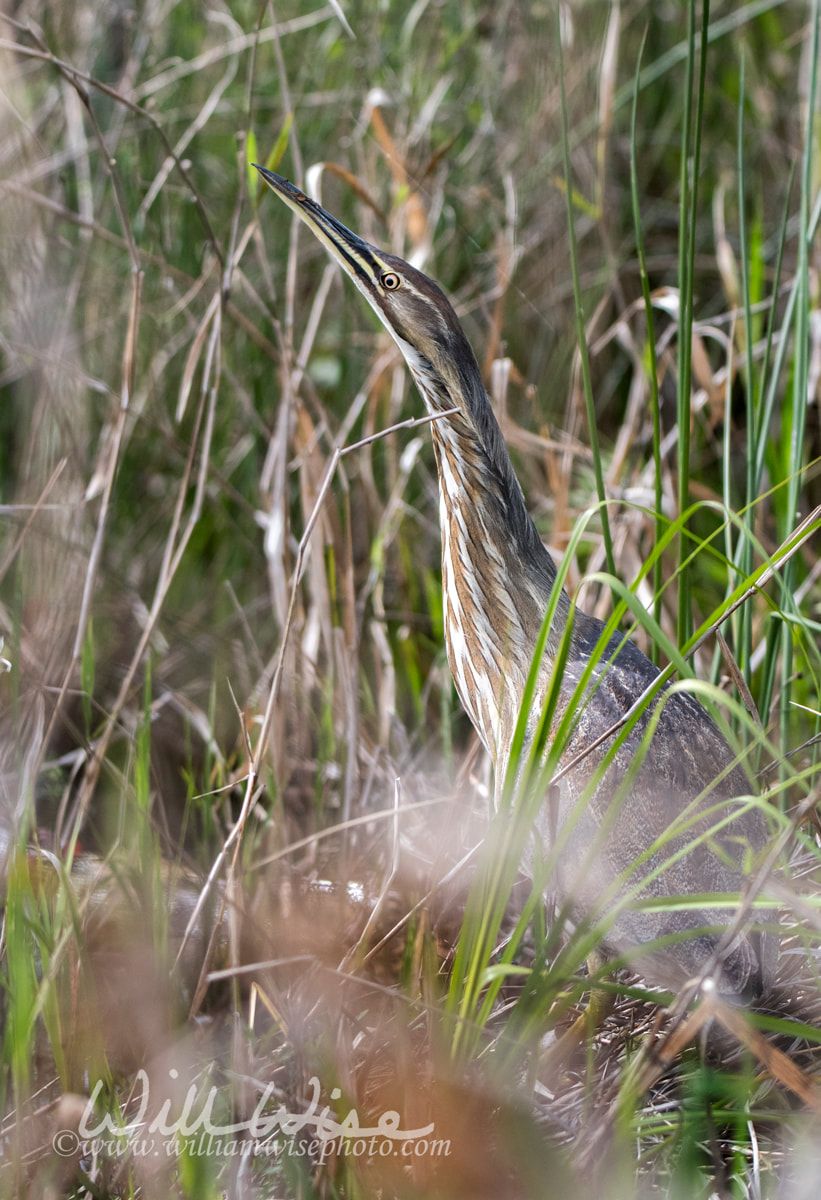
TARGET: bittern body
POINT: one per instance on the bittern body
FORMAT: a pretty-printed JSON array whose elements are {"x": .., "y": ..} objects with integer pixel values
[{"x": 670, "y": 813}]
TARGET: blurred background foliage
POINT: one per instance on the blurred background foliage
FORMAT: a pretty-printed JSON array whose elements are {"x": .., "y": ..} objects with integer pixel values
[{"x": 447, "y": 115}]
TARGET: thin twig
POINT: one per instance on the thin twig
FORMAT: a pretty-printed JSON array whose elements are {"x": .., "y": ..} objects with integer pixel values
[{"x": 338, "y": 454}]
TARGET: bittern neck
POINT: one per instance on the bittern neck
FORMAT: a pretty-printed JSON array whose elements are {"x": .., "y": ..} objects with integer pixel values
[{"x": 497, "y": 576}]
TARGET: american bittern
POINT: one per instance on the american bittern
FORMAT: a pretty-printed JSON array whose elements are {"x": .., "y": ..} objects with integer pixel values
[{"x": 682, "y": 818}]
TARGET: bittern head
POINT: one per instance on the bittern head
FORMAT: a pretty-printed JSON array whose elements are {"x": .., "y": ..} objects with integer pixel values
[{"x": 411, "y": 306}]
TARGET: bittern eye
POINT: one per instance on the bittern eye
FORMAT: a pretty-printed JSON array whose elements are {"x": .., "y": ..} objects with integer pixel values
[{"x": 390, "y": 281}]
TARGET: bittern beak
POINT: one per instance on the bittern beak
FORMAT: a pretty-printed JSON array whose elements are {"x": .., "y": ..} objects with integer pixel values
[{"x": 356, "y": 257}]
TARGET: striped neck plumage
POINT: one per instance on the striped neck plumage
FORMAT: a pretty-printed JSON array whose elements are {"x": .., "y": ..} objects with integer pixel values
[{"x": 497, "y": 576}]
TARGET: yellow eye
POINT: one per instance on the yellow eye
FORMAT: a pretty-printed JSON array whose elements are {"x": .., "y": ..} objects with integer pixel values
[{"x": 390, "y": 281}]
